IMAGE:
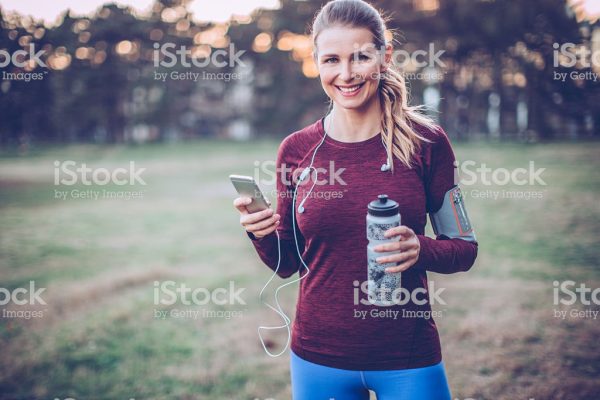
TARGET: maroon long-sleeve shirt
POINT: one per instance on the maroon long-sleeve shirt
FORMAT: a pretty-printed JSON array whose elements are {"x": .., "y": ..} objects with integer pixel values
[{"x": 328, "y": 328}]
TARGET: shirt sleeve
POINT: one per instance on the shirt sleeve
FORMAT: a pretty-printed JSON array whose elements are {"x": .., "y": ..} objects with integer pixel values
[
  {"x": 266, "y": 246},
  {"x": 442, "y": 254}
]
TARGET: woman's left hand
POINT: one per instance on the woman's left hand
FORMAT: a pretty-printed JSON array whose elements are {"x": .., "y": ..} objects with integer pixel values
[{"x": 408, "y": 245}]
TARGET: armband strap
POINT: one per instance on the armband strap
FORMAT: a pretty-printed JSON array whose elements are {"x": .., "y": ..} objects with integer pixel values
[{"x": 452, "y": 220}]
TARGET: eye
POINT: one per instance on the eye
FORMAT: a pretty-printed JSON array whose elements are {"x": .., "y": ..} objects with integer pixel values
[
  {"x": 328, "y": 60},
  {"x": 363, "y": 57}
]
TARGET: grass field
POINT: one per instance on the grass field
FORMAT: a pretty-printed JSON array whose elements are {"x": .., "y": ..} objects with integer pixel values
[{"x": 98, "y": 338}]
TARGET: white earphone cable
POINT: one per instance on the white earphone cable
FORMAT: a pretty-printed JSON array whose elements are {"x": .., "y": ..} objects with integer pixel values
[{"x": 279, "y": 310}]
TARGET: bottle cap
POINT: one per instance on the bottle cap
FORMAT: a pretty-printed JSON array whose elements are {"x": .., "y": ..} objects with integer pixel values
[{"x": 383, "y": 207}]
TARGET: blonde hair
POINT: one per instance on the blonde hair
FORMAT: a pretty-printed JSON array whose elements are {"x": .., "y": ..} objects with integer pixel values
[{"x": 398, "y": 117}]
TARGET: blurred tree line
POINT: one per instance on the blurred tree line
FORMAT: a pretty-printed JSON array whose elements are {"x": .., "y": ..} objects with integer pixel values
[{"x": 102, "y": 80}]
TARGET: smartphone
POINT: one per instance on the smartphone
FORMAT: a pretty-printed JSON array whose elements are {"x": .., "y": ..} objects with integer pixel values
[{"x": 246, "y": 186}]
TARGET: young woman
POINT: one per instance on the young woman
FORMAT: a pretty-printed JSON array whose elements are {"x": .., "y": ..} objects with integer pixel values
[{"x": 371, "y": 143}]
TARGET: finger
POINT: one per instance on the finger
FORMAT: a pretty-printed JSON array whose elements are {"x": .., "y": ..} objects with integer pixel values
[
  {"x": 402, "y": 231},
  {"x": 265, "y": 232},
  {"x": 400, "y": 257},
  {"x": 402, "y": 267},
  {"x": 255, "y": 217},
  {"x": 262, "y": 224},
  {"x": 393, "y": 246},
  {"x": 396, "y": 231},
  {"x": 241, "y": 202}
]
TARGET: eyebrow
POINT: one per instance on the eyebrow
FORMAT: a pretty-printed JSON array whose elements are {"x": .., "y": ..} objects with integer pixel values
[{"x": 336, "y": 55}]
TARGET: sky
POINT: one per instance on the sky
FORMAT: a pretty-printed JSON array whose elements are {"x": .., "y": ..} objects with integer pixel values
[
  {"x": 589, "y": 7},
  {"x": 203, "y": 10}
]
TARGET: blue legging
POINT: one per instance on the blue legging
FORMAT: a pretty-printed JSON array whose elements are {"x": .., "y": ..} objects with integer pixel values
[{"x": 312, "y": 381}]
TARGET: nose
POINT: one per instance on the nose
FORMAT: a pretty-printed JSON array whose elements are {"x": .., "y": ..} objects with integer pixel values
[{"x": 346, "y": 73}]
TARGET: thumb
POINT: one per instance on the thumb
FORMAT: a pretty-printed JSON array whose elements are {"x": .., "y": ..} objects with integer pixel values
[{"x": 241, "y": 202}]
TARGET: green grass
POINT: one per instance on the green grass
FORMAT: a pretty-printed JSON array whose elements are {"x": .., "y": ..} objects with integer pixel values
[{"x": 98, "y": 259}]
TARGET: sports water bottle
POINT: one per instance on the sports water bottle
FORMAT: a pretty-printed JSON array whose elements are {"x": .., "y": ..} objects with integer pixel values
[{"x": 382, "y": 214}]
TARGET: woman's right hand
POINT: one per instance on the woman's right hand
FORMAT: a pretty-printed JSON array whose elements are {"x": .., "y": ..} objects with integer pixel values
[{"x": 259, "y": 223}]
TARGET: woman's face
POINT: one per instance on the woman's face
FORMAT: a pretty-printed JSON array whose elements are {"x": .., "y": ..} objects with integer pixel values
[{"x": 349, "y": 65}]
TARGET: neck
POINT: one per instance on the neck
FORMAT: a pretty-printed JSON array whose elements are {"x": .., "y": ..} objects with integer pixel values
[{"x": 355, "y": 124}]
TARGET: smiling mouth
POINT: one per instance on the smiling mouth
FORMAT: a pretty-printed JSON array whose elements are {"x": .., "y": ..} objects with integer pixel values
[{"x": 350, "y": 89}]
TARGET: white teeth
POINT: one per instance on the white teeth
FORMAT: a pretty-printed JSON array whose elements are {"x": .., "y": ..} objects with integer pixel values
[{"x": 350, "y": 89}]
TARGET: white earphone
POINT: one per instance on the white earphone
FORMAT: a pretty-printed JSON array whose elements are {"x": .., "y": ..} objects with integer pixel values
[
  {"x": 384, "y": 167},
  {"x": 278, "y": 309}
]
